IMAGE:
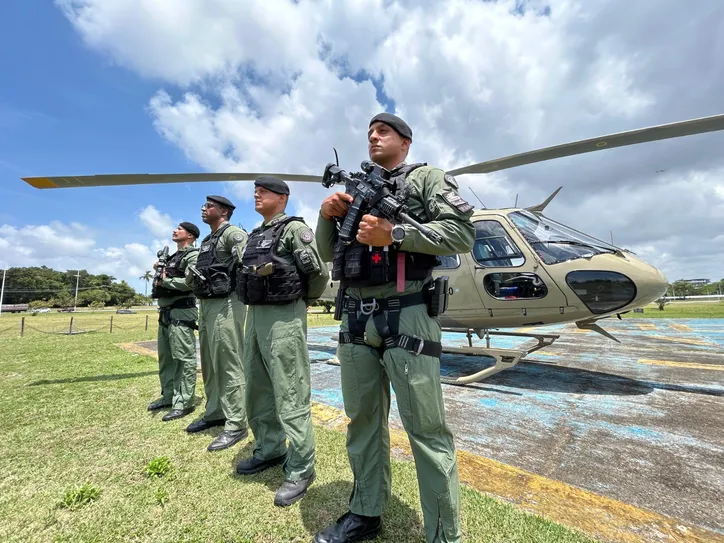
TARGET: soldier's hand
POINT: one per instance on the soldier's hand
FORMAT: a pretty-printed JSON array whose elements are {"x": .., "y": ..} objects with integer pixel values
[
  {"x": 336, "y": 205},
  {"x": 155, "y": 265},
  {"x": 375, "y": 231}
]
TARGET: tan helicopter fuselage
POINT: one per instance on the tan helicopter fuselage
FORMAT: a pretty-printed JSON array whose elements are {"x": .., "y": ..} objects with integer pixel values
[{"x": 504, "y": 282}]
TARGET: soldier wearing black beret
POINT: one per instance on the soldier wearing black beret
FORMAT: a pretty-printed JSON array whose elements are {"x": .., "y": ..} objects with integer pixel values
[
  {"x": 280, "y": 274},
  {"x": 221, "y": 325},
  {"x": 403, "y": 346},
  {"x": 177, "y": 315},
  {"x": 272, "y": 183}
]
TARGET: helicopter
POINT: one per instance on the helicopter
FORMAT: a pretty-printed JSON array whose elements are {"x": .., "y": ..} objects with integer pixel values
[{"x": 524, "y": 270}]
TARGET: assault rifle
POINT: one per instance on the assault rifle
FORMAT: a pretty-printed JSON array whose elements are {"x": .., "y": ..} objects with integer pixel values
[
  {"x": 370, "y": 190},
  {"x": 372, "y": 196},
  {"x": 160, "y": 266}
]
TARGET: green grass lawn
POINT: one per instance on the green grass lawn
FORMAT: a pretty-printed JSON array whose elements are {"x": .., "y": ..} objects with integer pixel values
[
  {"x": 681, "y": 310},
  {"x": 83, "y": 461}
]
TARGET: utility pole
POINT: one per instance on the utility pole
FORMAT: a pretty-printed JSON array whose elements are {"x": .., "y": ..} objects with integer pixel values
[
  {"x": 2, "y": 291},
  {"x": 77, "y": 280}
]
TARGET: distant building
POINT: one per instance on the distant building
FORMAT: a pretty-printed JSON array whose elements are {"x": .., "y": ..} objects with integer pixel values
[{"x": 696, "y": 282}]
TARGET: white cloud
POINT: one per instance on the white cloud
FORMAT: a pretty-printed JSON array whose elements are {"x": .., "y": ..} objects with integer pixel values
[
  {"x": 274, "y": 88},
  {"x": 159, "y": 224}
]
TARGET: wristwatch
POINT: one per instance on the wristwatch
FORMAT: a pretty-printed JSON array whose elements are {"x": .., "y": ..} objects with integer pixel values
[{"x": 398, "y": 235}]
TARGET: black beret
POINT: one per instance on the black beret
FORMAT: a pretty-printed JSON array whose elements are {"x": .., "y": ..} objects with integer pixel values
[
  {"x": 395, "y": 122},
  {"x": 272, "y": 183},
  {"x": 221, "y": 200},
  {"x": 191, "y": 228}
]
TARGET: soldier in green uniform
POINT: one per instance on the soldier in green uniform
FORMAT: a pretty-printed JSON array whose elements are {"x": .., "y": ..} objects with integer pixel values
[
  {"x": 177, "y": 316},
  {"x": 221, "y": 325},
  {"x": 280, "y": 274},
  {"x": 388, "y": 335}
]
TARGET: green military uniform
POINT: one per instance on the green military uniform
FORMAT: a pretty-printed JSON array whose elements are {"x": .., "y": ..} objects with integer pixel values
[
  {"x": 366, "y": 375},
  {"x": 176, "y": 339},
  {"x": 221, "y": 327},
  {"x": 276, "y": 358}
]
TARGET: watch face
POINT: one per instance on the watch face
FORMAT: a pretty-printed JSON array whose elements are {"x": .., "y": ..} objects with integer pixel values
[{"x": 398, "y": 234}]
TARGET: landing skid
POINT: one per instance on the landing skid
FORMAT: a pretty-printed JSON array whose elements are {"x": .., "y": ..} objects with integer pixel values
[{"x": 504, "y": 358}]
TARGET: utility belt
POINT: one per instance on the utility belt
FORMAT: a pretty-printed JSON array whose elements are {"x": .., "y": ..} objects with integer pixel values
[
  {"x": 164, "y": 313},
  {"x": 434, "y": 296}
]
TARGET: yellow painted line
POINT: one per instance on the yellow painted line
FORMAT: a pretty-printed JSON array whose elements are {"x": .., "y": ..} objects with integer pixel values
[
  {"x": 675, "y": 364},
  {"x": 681, "y": 328},
  {"x": 646, "y": 326},
  {"x": 598, "y": 516},
  {"x": 688, "y": 341},
  {"x": 40, "y": 182}
]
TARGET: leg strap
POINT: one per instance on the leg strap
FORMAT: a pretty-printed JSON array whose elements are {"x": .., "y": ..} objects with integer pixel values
[{"x": 359, "y": 312}]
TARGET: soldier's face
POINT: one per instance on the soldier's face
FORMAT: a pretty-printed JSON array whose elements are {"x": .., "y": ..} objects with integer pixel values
[
  {"x": 385, "y": 144},
  {"x": 210, "y": 212},
  {"x": 266, "y": 201},
  {"x": 180, "y": 234}
]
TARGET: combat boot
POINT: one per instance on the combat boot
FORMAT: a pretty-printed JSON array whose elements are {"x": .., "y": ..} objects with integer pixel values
[
  {"x": 349, "y": 529},
  {"x": 292, "y": 491}
]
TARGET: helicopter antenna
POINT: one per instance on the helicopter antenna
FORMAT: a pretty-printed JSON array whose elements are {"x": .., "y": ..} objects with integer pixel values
[
  {"x": 516, "y": 201},
  {"x": 336, "y": 156},
  {"x": 540, "y": 207},
  {"x": 479, "y": 200},
  {"x": 611, "y": 237}
]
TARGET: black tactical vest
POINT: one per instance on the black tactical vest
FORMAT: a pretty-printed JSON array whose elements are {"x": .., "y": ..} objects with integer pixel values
[
  {"x": 218, "y": 280},
  {"x": 173, "y": 271},
  {"x": 358, "y": 266},
  {"x": 264, "y": 277}
]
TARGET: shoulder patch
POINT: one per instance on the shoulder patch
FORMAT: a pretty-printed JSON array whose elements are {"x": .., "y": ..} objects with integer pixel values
[
  {"x": 238, "y": 237},
  {"x": 450, "y": 180},
  {"x": 306, "y": 236},
  {"x": 455, "y": 200}
]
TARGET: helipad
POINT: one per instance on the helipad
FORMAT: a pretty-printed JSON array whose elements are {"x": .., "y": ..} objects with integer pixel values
[{"x": 637, "y": 423}]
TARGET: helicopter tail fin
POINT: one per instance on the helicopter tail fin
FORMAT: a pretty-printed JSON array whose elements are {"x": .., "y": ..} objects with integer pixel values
[
  {"x": 540, "y": 207},
  {"x": 591, "y": 325}
]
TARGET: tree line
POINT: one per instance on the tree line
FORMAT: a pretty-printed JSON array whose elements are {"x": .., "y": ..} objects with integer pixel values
[
  {"x": 681, "y": 288},
  {"x": 45, "y": 287}
]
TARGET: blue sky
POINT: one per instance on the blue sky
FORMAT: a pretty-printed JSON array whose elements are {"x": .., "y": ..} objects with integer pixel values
[
  {"x": 273, "y": 85},
  {"x": 67, "y": 110}
]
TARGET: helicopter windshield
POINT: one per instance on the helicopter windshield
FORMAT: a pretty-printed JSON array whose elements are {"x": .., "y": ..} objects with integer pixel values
[{"x": 554, "y": 242}]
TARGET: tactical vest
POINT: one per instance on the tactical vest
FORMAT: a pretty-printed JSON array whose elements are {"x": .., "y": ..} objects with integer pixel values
[
  {"x": 218, "y": 280},
  {"x": 173, "y": 271},
  {"x": 358, "y": 266},
  {"x": 264, "y": 277}
]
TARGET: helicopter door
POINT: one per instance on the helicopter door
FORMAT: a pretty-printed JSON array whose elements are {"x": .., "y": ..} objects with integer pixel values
[{"x": 512, "y": 283}]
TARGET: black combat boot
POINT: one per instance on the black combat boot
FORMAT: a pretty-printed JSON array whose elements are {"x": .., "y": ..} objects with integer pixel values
[
  {"x": 292, "y": 491},
  {"x": 227, "y": 438},
  {"x": 350, "y": 528}
]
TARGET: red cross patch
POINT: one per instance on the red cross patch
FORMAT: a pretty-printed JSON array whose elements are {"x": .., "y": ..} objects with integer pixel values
[{"x": 376, "y": 258}]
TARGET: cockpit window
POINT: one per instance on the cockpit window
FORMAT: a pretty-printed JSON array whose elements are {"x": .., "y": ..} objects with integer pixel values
[
  {"x": 448, "y": 262},
  {"x": 554, "y": 242},
  {"x": 493, "y": 247}
]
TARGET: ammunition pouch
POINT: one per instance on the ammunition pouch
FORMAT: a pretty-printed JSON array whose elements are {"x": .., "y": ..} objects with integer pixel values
[
  {"x": 218, "y": 285},
  {"x": 436, "y": 296},
  {"x": 359, "y": 266}
]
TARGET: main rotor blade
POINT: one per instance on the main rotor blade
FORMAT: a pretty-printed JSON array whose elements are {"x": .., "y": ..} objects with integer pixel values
[
  {"x": 621, "y": 139},
  {"x": 106, "y": 180}
]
